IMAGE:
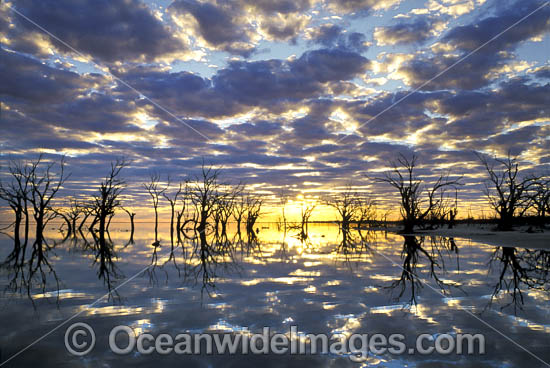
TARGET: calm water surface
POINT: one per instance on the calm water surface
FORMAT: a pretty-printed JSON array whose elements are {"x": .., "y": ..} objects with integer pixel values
[{"x": 323, "y": 284}]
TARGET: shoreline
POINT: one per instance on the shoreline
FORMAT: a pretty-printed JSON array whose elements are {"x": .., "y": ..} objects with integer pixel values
[{"x": 486, "y": 235}]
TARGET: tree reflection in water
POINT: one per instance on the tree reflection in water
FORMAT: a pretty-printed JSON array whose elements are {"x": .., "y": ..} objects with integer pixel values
[
  {"x": 27, "y": 272},
  {"x": 107, "y": 270},
  {"x": 354, "y": 244},
  {"x": 517, "y": 267},
  {"x": 415, "y": 253},
  {"x": 203, "y": 257}
]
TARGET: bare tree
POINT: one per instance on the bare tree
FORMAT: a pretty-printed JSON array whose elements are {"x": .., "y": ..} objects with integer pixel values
[
  {"x": 86, "y": 208},
  {"x": 506, "y": 191},
  {"x": 347, "y": 204},
  {"x": 253, "y": 211},
  {"x": 239, "y": 211},
  {"x": 540, "y": 199},
  {"x": 15, "y": 199},
  {"x": 181, "y": 214},
  {"x": 131, "y": 215},
  {"x": 225, "y": 209},
  {"x": 106, "y": 202},
  {"x": 15, "y": 193},
  {"x": 283, "y": 200},
  {"x": 173, "y": 198},
  {"x": 44, "y": 186},
  {"x": 417, "y": 200},
  {"x": 306, "y": 213},
  {"x": 204, "y": 196},
  {"x": 367, "y": 211},
  {"x": 155, "y": 190},
  {"x": 74, "y": 211}
]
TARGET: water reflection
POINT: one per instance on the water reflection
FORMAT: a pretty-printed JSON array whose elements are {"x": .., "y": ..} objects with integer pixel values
[
  {"x": 336, "y": 278},
  {"x": 104, "y": 260},
  {"x": 29, "y": 269},
  {"x": 415, "y": 253},
  {"x": 518, "y": 268}
]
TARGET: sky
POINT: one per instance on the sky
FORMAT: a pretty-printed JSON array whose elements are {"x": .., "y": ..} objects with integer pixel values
[{"x": 307, "y": 95}]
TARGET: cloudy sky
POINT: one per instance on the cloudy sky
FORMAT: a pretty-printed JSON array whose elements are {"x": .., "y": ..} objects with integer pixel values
[{"x": 303, "y": 94}]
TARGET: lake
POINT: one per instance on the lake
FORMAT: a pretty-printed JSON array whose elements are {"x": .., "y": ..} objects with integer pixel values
[{"x": 365, "y": 282}]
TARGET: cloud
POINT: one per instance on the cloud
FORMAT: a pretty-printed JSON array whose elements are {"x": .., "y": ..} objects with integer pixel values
[
  {"x": 258, "y": 129},
  {"x": 474, "y": 71},
  {"x": 334, "y": 36},
  {"x": 269, "y": 82},
  {"x": 351, "y": 6},
  {"x": 275, "y": 120},
  {"x": 182, "y": 93},
  {"x": 108, "y": 30},
  {"x": 279, "y": 6},
  {"x": 283, "y": 27},
  {"x": 180, "y": 132},
  {"x": 219, "y": 25},
  {"x": 416, "y": 31},
  {"x": 237, "y": 26},
  {"x": 26, "y": 79}
]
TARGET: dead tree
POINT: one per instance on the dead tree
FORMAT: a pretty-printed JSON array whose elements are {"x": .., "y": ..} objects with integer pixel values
[
  {"x": 182, "y": 213},
  {"x": 418, "y": 201},
  {"x": 173, "y": 198},
  {"x": 227, "y": 204},
  {"x": 15, "y": 195},
  {"x": 253, "y": 211},
  {"x": 11, "y": 194},
  {"x": 204, "y": 196},
  {"x": 73, "y": 213},
  {"x": 306, "y": 213},
  {"x": 44, "y": 186},
  {"x": 283, "y": 200},
  {"x": 131, "y": 215},
  {"x": 347, "y": 204},
  {"x": 506, "y": 191},
  {"x": 239, "y": 212},
  {"x": 155, "y": 190},
  {"x": 540, "y": 199},
  {"x": 87, "y": 210},
  {"x": 40, "y": 186},
  {"x": 107, "y": 201}
]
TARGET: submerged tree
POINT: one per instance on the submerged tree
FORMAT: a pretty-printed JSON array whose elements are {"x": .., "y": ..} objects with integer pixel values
[
  {"x": 506, "y": 191},
  {"x": 351, "y": 207},
  {"x": 418, "y": 201},
  {"x": 107, "y": 201},
  {"x": 155, "y": 190},
  {"x": 347, "y": 204},
  {"x": 173, "y": 198},
  {"x": 239, "y": 212},
  {"x": 131, "y": 216},
  {"x": 540, "y": 199},
  {"x": 16, "y": 198},
  {"x": 32, "y": 184},
  {"x": 73, "y": 213},
  {"x": 44, "y": 187},
  {"x": 283, "y": 200},
  {"x": 253, "y": 211},
  {"x": 306, "y": 213}
]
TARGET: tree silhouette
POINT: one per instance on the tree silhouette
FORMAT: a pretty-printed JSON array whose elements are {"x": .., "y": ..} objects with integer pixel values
[
  {"x": 418, "y": 201},
  {"x": 506, "y": 191}
]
